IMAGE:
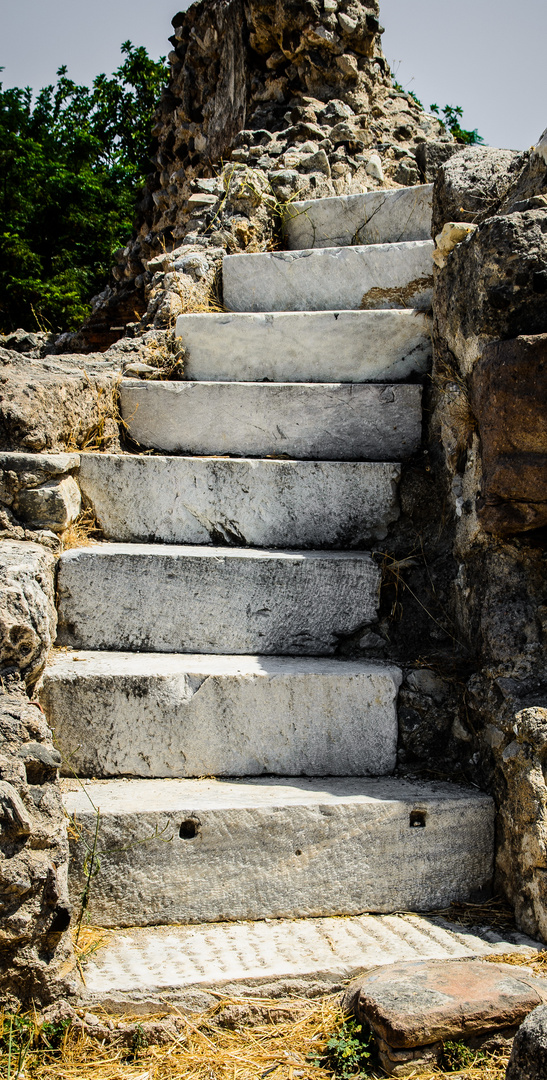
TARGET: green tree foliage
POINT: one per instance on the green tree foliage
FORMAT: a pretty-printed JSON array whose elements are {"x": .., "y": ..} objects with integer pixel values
[
  {"x": 72, "y": 165},
  {"x": 450, "y": 116}
]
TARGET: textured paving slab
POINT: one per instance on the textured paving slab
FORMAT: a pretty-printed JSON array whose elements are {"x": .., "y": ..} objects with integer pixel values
[
  {"x": 377, "y": 276},
  {"x": 260, "y": 502},
  {"x": 141, "y": 969},
  {"x": 164, "y": 598},
  {"x": 157, "y": 715},
  {"x": 206, "y": 850},
  {"x": 328, "y": 421},
  {"x": 306, "y": 346},
  {"x": 375, "y": 217}
]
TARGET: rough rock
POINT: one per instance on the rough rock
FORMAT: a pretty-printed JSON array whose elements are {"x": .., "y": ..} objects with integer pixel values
[
  {"x": 528, "y": 1059},
  {"x": 471, "y": 184},
  {"x": 162, "y": 598},
  {"x": 40, "y": 489},
  {"x": 28, "y": 618},
  {"x": 57, "y": 404},
  {"x": 34, "y": 904},
  {"x": 508, "y": 394},
  {"x": 267, "y": 849}
]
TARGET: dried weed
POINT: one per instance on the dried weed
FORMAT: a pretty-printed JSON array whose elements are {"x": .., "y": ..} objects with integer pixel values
[{"x": 83, "y": 532}]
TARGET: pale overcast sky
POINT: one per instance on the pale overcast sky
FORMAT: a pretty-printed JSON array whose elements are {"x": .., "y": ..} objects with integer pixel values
[{"x": 486, "y": 55}]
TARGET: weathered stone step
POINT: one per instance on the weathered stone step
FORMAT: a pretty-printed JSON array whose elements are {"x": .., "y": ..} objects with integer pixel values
[
  {"x": 140, "y": 969},
  {"x": 306, "y": 346},
  {"x": 158, "y": 715},
  {"x": 327, "y": 421},
  {"x": 375, "y": 217},
  {"x": 325, "y": 279},
  {"x": 164, "y": 598},
  {"x": 243, "y": 501},
  {"x": 206, "y": 850}
]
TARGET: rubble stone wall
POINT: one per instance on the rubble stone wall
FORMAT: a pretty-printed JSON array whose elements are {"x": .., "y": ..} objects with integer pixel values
[{"x": 488, "y": 438}]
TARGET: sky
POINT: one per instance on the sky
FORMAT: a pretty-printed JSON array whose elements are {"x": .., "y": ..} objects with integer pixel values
[{"x": 486, "y": 55}]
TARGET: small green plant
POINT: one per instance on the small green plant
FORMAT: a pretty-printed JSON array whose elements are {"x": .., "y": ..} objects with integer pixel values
[
  {"x": 53, "y": 1034},
  {"x": 16, "y": 1038},
  {"x": 347, "y": 1053},
  {"x": 409, "y": 93},
  {"x": 450, "y": 116},
  {"x": 456, "y": 1055},
  {"x": 139, "y": 1042}
]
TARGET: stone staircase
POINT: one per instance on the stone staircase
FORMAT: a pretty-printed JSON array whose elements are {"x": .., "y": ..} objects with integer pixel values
[{"x": 241, "y": 769}]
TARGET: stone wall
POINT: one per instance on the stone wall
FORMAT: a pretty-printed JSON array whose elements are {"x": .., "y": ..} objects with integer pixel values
[
  {"x": 35, "y": 911},
  {"x": 266, "y": 101},
  {"x": 488, "y": 439}
]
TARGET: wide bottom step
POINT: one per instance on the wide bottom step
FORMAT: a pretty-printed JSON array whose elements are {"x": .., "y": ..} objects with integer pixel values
[
  {"x": 211, "y": 850},
  {"x": 144, "y": 971}
]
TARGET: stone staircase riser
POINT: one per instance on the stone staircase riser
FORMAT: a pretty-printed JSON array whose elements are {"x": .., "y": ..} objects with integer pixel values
[
  {"x": 337, "y": 422},
  {"x": 265, "y": 850},
  {"x": 306, "y": 346},
  {"x": 352, "y": 278},
  {"x": 177, "y": 716},
  {"x": 374, "y": 217},
  {"x": 161, "y": 598},
  {"x": 256, "y": 502}
]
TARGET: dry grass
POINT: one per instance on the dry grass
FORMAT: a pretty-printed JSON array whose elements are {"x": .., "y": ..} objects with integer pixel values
[
  {"x": 537, "y": 962},
  {"x": 494, "y": 913},
  {"x": 83, "y": 532},
  {"x": 279, "y": 1038}
]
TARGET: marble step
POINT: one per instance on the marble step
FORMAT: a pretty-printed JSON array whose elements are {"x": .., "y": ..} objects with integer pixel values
[
  {"x": 261, "y": 502},
  {"x": 181, "y": 851},
  {"x": 306, "y": 346},
  {"x": 143, "y": 969},
  {"x": 170, "y": 715},
  {"x": 326, "y": 279},
  {"x": 325, "y": 421},
  {"x": 165, "y": 598},
  {"x": 374, "y": 217}
]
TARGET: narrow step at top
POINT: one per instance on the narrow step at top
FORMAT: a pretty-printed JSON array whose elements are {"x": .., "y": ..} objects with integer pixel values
[
  {"x": 260, "y": 502},
  {"x": 374, "y": 217},
  {"x": 325, "y": 279},
  {"x": 164, "y": 715},
  {"x": 306, "y": 346},
  {"x": 162, "y": 598},
  {"x": 136, "y": 970},
  {"x": 204, "y": 850},
  {"x": 324, "y": 421}
]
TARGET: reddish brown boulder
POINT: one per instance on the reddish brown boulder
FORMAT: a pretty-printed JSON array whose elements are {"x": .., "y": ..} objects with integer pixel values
[
  {"x": 509, "y": 399},
  {"x": 414, "y": 1007}
]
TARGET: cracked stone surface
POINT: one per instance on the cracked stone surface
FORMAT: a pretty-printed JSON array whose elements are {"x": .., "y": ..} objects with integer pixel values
[
  {"x": 374, "y": 217},
  {"x": 221, "y": 715},
  {"x": 164, "y": 598},
  {"x": 380, "y": 276},
  {"x": 306, "y": 346},
  {"x": 264, "y": 502},
  {"x": 328, "y": 421}
]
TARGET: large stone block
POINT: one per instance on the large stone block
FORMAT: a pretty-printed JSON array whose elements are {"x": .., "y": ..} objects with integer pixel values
[
  {"x": 329, "y": 421},
  {"x": 161, "y": 598},
  {"x": 177, "y": 851},
  {"x": 528, "y": 1059},
  {"x": 509, "y": 391},
  {"x": 261, "y": 503},
  {"x": 377, "y": 276},
  {"x": 305, "y": 346},
  {"x": 374, "y": 217},
  {"x": 128, "y": 714}
]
